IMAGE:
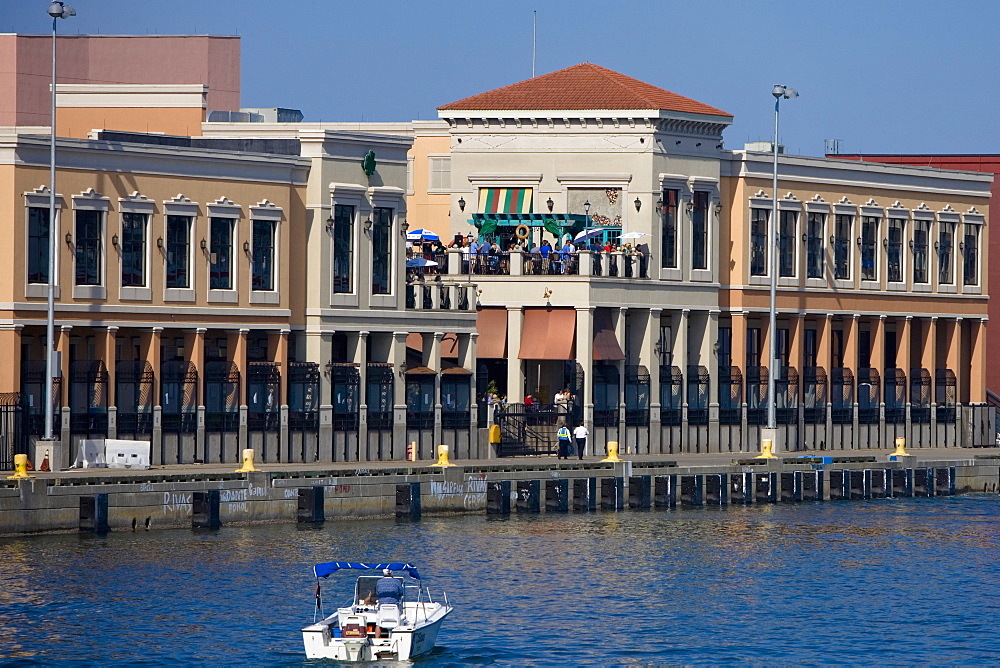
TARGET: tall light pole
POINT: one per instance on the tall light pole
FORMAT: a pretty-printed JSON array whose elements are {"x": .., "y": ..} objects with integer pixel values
[
  {"x": 57, "y": 10},
  {"x": 779, "y": 92}
]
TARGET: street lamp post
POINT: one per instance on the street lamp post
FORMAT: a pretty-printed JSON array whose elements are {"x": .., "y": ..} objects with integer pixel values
[
  {"x": 57, "y": 10},
  {"x": 779, "y": 92}
]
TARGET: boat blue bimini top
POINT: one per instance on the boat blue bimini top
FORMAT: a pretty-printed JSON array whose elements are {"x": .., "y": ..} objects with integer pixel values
[{"x": 323, "y": 570}]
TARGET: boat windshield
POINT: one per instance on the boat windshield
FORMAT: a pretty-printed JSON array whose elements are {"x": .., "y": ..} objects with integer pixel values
[{"x": 365, "y": 592}]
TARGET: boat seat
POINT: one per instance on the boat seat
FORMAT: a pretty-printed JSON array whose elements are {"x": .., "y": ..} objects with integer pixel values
[{"x": 389, "y": 616}]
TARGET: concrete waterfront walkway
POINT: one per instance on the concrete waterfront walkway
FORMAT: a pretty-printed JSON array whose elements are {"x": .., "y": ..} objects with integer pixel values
[{"x": 355, "y": 468}]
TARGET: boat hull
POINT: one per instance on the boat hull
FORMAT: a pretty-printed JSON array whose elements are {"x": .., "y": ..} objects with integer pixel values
[{"x": 403, "y": 643}]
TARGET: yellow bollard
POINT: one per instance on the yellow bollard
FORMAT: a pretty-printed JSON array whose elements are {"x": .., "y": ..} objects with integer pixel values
[
  {"x": 443, "y": 456},
  {"x": 900, "y": 447},
  {"x": 766, "y": 450},
  {"x": 20, "y": 468},
  {"x": 612, "y": 452},
  {"x": 248, "y": 466}
]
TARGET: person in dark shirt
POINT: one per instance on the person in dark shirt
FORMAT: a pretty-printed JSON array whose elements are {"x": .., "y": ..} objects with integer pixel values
[{"x": 388, "y": 589}]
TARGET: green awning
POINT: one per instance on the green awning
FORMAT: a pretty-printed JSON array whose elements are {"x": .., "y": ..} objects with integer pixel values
[{"x": 555, "y": 223}]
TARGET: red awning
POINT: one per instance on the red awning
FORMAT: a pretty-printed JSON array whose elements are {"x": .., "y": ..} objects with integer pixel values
[
  {"x": 548, "y": 334},
  {"x": 606, "y": 347},
  {"x": 491, "y": 323}
]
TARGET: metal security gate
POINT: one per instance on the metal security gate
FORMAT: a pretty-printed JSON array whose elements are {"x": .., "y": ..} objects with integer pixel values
[
  {"x": 33, "y": 398},
  {"x": 697, "y": 398},
  {"x": 420, "y": 411},
  {"x": 814, "y": 402},
  {"x": 222, "y": 412},
  {"x": 637, "y": 384},
  {"x": 895, "y": 394},
  {"x": 303, "y": 412},
  {"x": 920, "y": 408},
  {"x": 841, "y": 408},
  {"x": 264, "y": 410},
  {"x": 606, "y": 415},
  {"x": 456, "y": 410},
  {"x": 346, "y": 386},
  {"x": 671, "y": 408},
  {"x": 134, "y": 399},
  {"x": 380, "y": 397},
  {"x": 946, "y": 397},
  {"x": 13, "y": 435},
  {"x": 88, "y": 399},
  {"x": 786, "y": 409},
  {"x": 869, "y": 398},
  {"x": 178, "y": 413},
  {"x": 730, "y": 409}
]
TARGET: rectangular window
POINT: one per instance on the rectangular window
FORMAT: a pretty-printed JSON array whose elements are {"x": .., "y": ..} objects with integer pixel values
[
  {"x": 262, "y": 261},
  {"x": 894, "y": 250},
  {"x": 786, "y": 243},
  {"x": 38, "y": 245},
  {"x": 725, "y": 347},
  {"x": 440, "y": 173},
  {"x": 381, "y": 251},
  {"x": 869, "y": 248},
  {"x": 970, "y": 255},
  {"x": 921, "y": 237},
  {"x": 781, "y": 346},
  {"x": 668, "y": 221},
  {"x": 89, "y": 248},
  {"x": 343, "y": 249},
  {"x": 220, "y": 247},
  {"x": 178, "y": 251},
  {"x": 753, "y": 347},
  {"x": 758, "y": 242},
  {"x": 699, "y": 231},
  {"x": 133, "y": 249},
  {"x": 842, "y": 246},
  {"x": 809, "y": 348},
  {"x": 837, "y": 348},
  {"x": 815, "y": 250},
  {"x": 946, "y": 239}
]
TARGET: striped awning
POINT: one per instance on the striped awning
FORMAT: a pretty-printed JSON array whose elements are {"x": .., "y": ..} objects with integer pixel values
[{"x": 505, "y": 200}]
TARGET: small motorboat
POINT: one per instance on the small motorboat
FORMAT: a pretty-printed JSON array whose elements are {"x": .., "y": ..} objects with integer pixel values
[{"x": 370, "y": 630}]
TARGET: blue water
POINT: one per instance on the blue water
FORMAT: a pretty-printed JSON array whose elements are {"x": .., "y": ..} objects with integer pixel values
[{"x": 882, "y": 582}]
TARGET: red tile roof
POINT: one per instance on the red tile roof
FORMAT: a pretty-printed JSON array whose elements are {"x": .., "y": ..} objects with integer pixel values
[{"x": 583, "y": 86}]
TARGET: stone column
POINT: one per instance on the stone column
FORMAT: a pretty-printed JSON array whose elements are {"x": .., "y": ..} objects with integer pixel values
[
  {"x": 929, "y": 360},
  {"x": 585, "y": 357},
  {"x": 10, "y": 352},
  {"x": 824, "y": 356},
  {"x": 796, "y": 325},
  {"x": 435, "y": 363},
  {"x": 149, "y": 348},
  {"x": 398, "y": 357},
  {"x": 467, "y": 360},
  {"x": 277, "y": 351},
  {"x": 903, "y": 334},
  {"x": 360, "y": 358},
  {"x": 515, "y": 368},
  {"x": 710, "y": 352},
  {"x": 237, "y": 344},
  {"x": 977, "y": 359},
  {"x": 319, "y": 348},
  {"x": 652, "y": 359},
  {"x": 681, "y": 357},
  {"x": 620, "y": 335},
  {"x": 194, "y": 345},
  {"x": 851, "y": 362},
  {"x": 954, "y": 356}
]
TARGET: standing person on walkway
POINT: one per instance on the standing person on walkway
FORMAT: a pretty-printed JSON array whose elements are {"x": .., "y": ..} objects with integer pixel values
[
  {"x": 580, "y": 434},
  {"x": 563, "y": 436}
]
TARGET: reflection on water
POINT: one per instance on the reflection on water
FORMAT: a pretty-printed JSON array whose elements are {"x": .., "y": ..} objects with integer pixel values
[{"x": 888, "y": 581}]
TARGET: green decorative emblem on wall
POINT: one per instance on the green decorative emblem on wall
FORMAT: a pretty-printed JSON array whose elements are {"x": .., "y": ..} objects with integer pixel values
[{"x": 368, "y": 164}]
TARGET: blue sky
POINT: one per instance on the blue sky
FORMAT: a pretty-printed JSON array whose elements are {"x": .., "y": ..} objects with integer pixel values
[{"x": 879, "y": 75}]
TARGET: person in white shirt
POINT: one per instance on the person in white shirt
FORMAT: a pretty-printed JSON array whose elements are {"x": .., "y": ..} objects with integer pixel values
[{"x": 580, "y": 434}]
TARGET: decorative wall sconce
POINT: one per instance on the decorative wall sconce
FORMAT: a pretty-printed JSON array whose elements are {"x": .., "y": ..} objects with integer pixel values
[
  {"x": 689, "y": 207},
  {"x": 329, "y": 224},
  {"x": 859, "y": 241},
  {"x": 246, "y": 246},
  {"x": 368, "y": 225},
  {"x": 961, "y": 245},
  {"x": 69, "y": 239},
  {"x": 546, "y": 294},
  {"x": 911, "y": 243},
  {"x": 885, "y": 243},
  {"x": 658, "y": 348},
  {"x": 159, "y": 243},
  {"x": 114, "y": 240},
  {"x": 715, "y": 348},
  {"x": 833, "y": 240},
  {"x": 401, "y": 368},
  {"x": 804, "y": 238},
  {"x": 461, "y": 204},
  {"x": 549, "y": 203},
  {"x": 403, "y": 226},
  {"x": 718, "y": 208},
  {"x": 204, "y": 245},
  {"x": 638, "y": 204}
]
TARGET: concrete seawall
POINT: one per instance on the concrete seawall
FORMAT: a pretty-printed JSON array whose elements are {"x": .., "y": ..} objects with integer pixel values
[{"x": 199, "y": 496}]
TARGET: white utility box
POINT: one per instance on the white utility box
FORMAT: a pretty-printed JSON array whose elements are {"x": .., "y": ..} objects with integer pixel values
[
  {"x": 90, "y": 454},
  {"x": 121, "y": 454}
]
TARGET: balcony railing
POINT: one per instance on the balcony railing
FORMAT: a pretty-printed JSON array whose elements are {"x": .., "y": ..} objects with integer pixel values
[
  {"x": 425, "y": 294},
  {"x": 613, "y": 264}
]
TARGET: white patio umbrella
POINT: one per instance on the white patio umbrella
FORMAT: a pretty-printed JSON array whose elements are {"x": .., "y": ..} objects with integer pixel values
[
  {"x": 633, "y": 235},
  {"x": 420, "y": 262},
  {"x": 426, "y": 235}
]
